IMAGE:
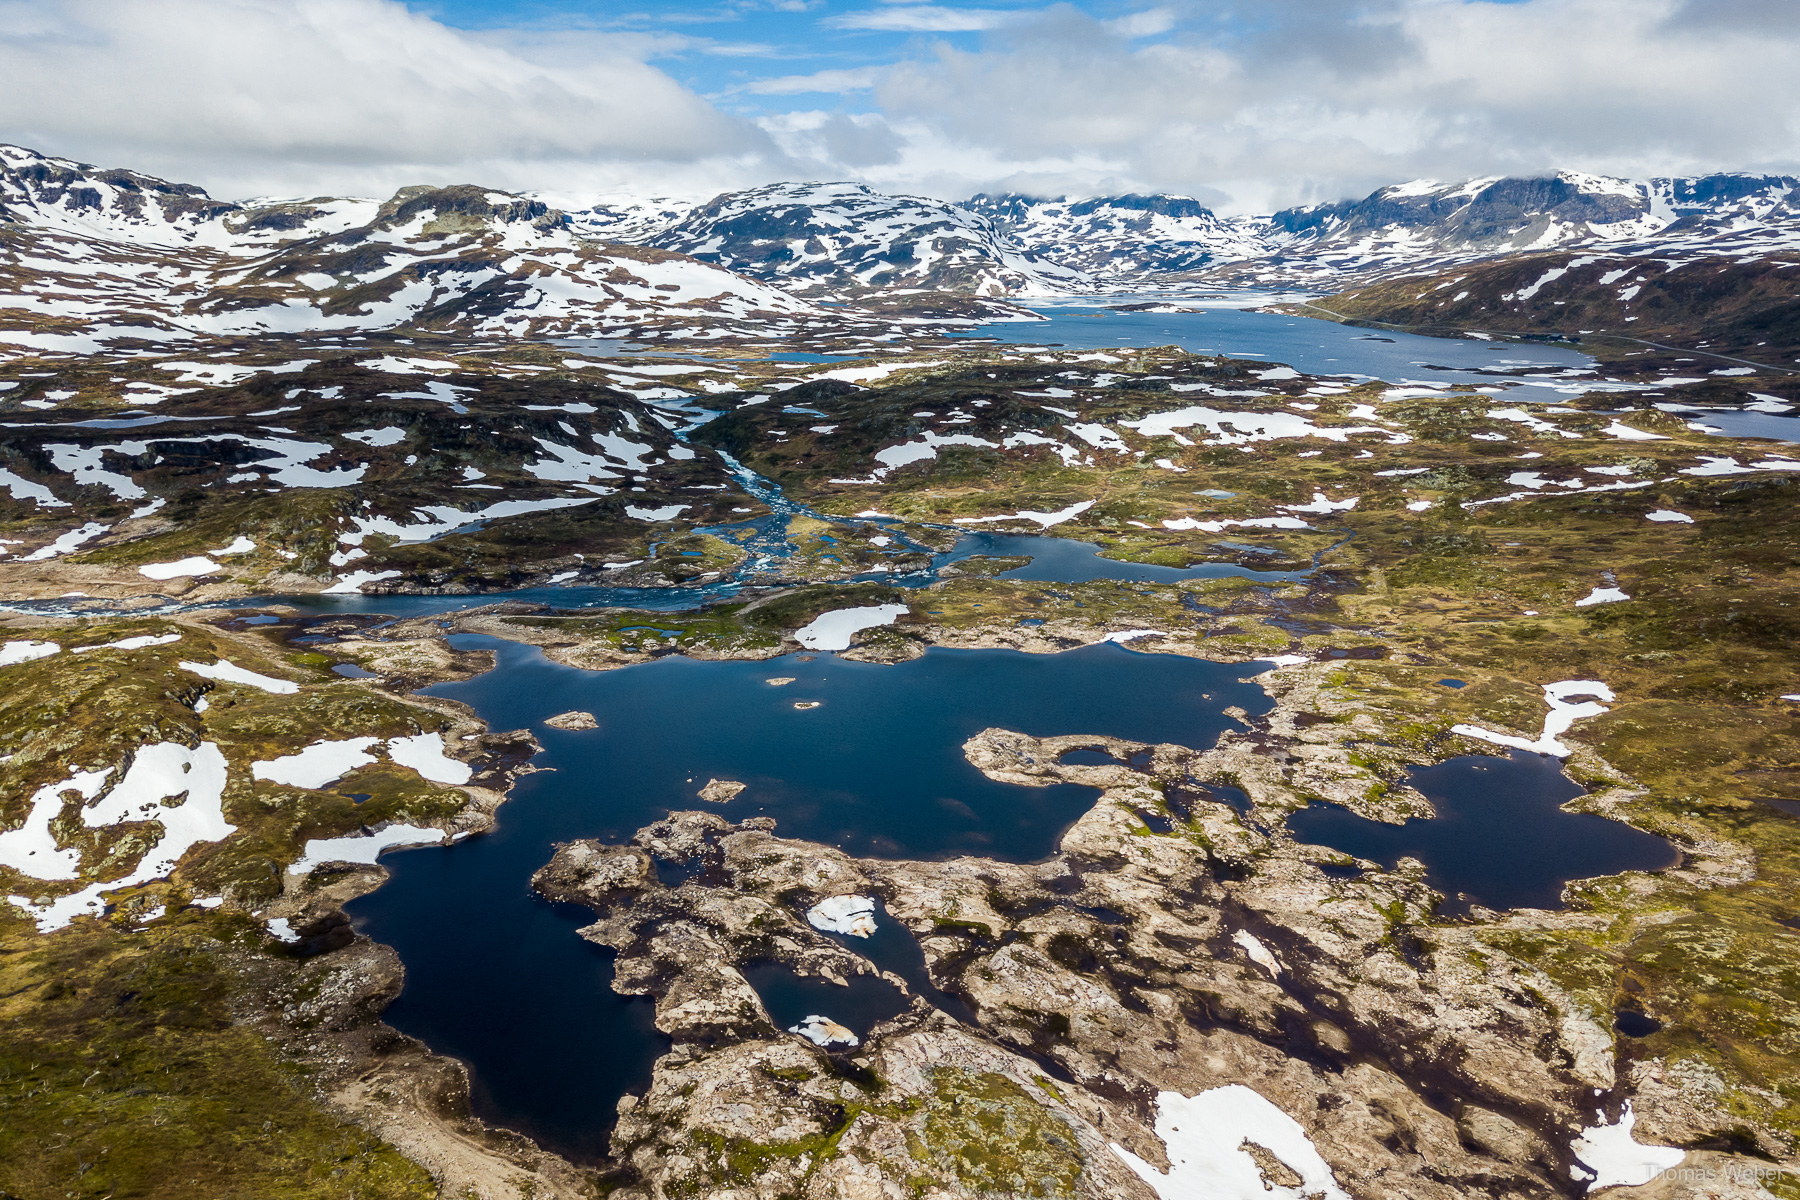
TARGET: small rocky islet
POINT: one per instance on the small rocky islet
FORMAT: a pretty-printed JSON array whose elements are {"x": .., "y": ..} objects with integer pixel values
[{"x": 234, "y": 575}]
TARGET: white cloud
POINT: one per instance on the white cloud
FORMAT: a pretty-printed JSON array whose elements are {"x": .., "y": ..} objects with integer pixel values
[
  {"x": 1317, "y": 100},
  {"x": 855, "y": 79},
  {"x": 824, "y": 144},
  {"x": 1148, "y": 23},
  {"x": 320, "y": 95},
  {"x": 1250, "y": 104},
  {"x": 922, "y": 18}
]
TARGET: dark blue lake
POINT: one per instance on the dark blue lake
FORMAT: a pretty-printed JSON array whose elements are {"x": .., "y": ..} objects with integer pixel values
[
  {"x": 496, "y": 975},
  {"x": 1500, "y": 836}
]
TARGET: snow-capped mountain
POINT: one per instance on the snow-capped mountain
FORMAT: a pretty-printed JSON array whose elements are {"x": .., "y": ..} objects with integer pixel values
[
  {"x": 1431, "y": 223},
  {"x": 1123, "y": 239},
  {"x": 94, "y": 256},
  {"x": 836, "y": 236},
  {"x": 848, "y": 237}
]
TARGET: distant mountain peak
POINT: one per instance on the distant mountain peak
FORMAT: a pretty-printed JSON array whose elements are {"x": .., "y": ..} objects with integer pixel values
[{"x": 493, "y": 261}]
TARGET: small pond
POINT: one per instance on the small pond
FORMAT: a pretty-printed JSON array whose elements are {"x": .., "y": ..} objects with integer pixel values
[{"x": 1500, "y": 836}]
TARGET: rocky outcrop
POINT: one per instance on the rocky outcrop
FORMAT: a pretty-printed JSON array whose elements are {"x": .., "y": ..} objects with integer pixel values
[
  {"x": 574, "y": 721},
  {"x": 1173, "y": 944}
]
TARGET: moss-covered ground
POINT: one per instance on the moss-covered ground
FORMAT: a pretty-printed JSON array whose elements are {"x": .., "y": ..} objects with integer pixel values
[
  {"x": 126, "y": 1065},
  {"x": 123, "y": 1072}
]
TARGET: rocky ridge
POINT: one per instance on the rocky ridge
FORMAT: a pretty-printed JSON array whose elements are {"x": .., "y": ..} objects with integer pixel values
[
  {"x": 100, "y": 257},
  {"x": 848, "y": 238},
  {"x": 1739, "y": 313}
]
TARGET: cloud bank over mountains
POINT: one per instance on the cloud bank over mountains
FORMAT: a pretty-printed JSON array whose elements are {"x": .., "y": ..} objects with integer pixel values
[{"x": 1250, "y": 106}]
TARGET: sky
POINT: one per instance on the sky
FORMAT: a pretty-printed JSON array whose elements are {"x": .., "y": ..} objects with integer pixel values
[{"x": 1249, "y": 105}]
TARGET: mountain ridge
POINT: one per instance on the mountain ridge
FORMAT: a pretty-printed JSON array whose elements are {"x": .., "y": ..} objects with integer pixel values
[{"x": 98, "y": 255}]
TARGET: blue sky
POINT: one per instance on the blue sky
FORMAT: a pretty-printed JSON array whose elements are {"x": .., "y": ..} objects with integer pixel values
[
  {"x": 757, "y": 57},
  {"x": 1249, "y": 105}
]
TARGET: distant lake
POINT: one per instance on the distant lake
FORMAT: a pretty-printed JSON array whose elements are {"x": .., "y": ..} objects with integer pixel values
[{"x": 1314, "y": 347}]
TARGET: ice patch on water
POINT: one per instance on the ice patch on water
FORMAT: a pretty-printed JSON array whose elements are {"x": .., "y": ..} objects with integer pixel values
[{"x": 854, "y": 915}]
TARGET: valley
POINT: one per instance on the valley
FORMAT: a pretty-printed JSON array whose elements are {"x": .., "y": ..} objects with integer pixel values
[{"x": 395, "y": 592}]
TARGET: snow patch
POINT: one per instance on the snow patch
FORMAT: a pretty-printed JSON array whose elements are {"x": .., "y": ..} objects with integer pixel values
[
  {"x": 1561, "y": 717},
  {"x": 1044, "y": 520},
  {"x": 226, "y": 672},
  {"x": 1600, "y": 595},
  {"x": 666, "y": 513},
  {"x": 351, "y": 584},
  {"x": 424, "y": 753},
  {"x": 1259, "y": 954},
  {"x": 158, "y": 773},
  {"x": 832, "y": 630},
  {"x": 196, "y": 565},
  {"x": 854, "y": 915},
  {"x": 1204, "y": 1137},
  {"x": 363, "y": 848},
  {"x": 1626, "y": 433},
  {"x": 133, "y": 643},
  {"x": 823, "y": 1031},
  {"x": 317, "y": 765},
  {"x": 1610, "y": 1157},
  {"x": 19, "y": 652}
]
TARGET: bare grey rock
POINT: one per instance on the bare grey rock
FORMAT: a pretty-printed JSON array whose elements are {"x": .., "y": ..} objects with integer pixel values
[
  {"x": 573, "y": 720},
  {"x": 718, "y": 791}
]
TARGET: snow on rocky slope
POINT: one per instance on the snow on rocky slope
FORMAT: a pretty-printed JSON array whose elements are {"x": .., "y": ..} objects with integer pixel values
[
  {"x": 95, "y": 256},
  {"x": 1425, "y": 223},
  {"x": 848, "y": 236},
  {"x": 1124, "y": 239}
]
